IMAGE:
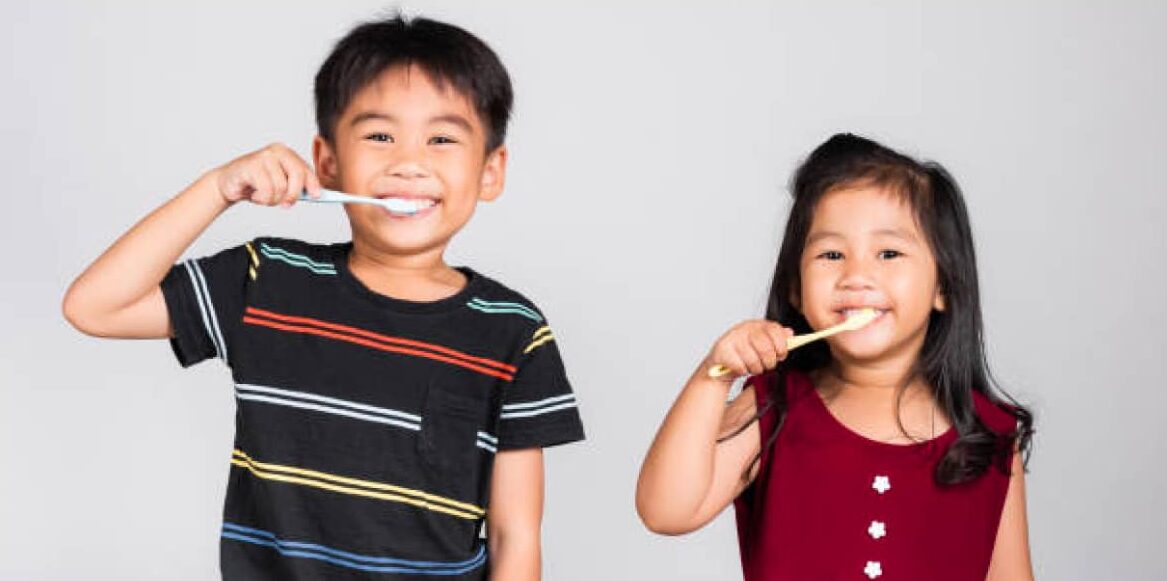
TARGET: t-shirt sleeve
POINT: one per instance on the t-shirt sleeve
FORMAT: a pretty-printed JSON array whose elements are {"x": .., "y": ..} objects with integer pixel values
[
  {"x": 539, "y": 408},
  {"x": 204, "y": 298}
]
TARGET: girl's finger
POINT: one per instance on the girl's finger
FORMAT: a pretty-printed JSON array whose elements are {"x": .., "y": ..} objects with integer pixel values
[
  {"x": 778, "y": 336},
  {"x": 764, "y": 347},
  {"x": 750, "y": 359}
]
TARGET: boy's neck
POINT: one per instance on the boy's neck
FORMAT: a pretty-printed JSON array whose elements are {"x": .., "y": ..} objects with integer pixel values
[{"x": 422, "y": 277}]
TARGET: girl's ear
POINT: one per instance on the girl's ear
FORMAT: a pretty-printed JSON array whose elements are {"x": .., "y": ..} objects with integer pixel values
[
  {"x": 795, "y": 299},
  {"x": 938, "y": 302}
]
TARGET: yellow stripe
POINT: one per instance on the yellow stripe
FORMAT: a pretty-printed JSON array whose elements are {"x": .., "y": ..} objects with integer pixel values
[
  {"x": 254, "y": 256},
  {"x": 421, "y": 499},
  {"x": 251, "y": 272},
  {"x": 540, "y": 331},
  {"x": 538, "y": 342}
]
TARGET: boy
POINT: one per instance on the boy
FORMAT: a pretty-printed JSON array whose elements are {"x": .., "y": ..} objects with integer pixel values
[{"x": 387, "y": 403}]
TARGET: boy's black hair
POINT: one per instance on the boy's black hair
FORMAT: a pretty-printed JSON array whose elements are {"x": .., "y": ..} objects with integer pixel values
[
  {"x": 448, "y": 54},
  {"x": 952, "y": 360}
]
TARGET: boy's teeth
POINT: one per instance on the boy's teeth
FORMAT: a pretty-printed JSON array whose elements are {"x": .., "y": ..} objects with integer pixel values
[{"x": 408, "y": 205}]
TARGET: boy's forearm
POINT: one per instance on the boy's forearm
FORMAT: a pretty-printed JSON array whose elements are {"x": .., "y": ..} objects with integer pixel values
[
  {"x": 515, "y": 556},
  {"x": 109, "y": 298}
]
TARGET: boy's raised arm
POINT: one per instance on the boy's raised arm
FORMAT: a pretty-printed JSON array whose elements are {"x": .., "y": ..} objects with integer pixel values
[{"x": 119, "y": 294}]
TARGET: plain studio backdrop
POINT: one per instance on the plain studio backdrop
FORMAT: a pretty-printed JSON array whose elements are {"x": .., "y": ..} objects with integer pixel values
[{"x": 651, "y": 145}]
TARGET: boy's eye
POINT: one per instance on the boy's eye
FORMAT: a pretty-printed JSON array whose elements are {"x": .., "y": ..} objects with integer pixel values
[
  {"x": 831, "y": 255},
  {"x": 380, "y": 137},
  {"x": 442, "y": 139},
  {"x": 890, "y": 254}
]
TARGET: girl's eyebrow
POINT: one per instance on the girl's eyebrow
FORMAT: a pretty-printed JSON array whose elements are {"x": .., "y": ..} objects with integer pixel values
[
  {"x": 821, "y": 234},
  {"x": 900, "y": 233}
]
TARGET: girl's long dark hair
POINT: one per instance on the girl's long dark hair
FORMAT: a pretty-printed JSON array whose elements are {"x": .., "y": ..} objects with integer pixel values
[{"x": 952, "y": 361}]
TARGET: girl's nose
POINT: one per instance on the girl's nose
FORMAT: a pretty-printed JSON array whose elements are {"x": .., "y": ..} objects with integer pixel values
[{"x": 856, "y": 276}]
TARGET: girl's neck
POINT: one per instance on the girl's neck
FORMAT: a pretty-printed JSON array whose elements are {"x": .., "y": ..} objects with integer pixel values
[{"x": 420, "y": 277}]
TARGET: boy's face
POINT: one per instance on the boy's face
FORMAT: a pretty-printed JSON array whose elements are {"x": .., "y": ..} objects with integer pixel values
[
  {"x": 865, "y": 249},
  {"x": 404, "y": 137}
]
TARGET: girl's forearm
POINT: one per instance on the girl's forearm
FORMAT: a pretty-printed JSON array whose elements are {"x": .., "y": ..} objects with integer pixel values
[{"x": 678, "y": 470}]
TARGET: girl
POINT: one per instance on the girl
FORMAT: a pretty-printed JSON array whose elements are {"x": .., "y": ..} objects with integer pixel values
[{"x": 881, "y": 452}]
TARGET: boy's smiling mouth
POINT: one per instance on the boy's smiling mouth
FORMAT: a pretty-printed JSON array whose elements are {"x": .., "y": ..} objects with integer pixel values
[{"x": 408, "y": 205}]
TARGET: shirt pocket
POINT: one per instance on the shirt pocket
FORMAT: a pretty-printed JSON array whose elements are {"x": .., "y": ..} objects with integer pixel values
[{"x": 449, "y": 432}]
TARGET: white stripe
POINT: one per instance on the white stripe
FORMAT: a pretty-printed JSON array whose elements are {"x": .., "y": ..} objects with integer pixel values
[
  {"x": 537, "y": 412},
  {"x": 329, "y": 410},
  {"x": 487, "y": 437},
  {"x": 535, "y": 404},
  {"x": 331, "y": 400},
  {"x": 211, "y": 309},
  {"x": 486, "y": 446},
  {"x": 194, "y": 283}
]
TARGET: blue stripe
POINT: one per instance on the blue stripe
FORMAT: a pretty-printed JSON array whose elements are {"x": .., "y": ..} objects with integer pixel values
[
  {"x": 506, "y": 310},
  {"x": 296, "y": 260},
  {"x": 351, "y": 560}
]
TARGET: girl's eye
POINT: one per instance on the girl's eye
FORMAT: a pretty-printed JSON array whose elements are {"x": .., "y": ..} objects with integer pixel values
[
  {"x": 831, "y": 255},
  {"x": 890, "y": 254},
  {"x": 442, "y": 140},
  {"x": 380, "y": 137}
]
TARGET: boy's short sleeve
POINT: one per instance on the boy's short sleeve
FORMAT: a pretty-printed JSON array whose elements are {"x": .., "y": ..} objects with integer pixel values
[
  {"x": 204, "y": 298},
  {"x": 538, "y": 408}
]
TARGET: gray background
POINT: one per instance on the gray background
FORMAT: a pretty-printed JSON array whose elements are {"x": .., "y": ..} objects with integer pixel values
[{"x": 650, "y": 149}]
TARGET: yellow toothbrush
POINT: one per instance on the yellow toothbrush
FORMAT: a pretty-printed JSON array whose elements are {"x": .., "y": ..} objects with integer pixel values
[{"x": 853, "y": 323}]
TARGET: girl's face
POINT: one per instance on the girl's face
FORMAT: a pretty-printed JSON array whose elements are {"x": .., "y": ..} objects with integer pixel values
[{"x": 865, "y": 249}]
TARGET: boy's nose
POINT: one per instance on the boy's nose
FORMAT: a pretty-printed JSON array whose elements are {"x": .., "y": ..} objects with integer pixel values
[{"x": 408, "y": 169}]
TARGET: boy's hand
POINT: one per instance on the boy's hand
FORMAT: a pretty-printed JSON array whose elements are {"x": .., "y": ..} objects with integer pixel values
[
  {"x": 750, "y": 347},
  {"x": 271, "y": 176}
]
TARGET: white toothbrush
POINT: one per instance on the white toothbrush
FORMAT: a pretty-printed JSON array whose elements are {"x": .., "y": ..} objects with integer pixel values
[
  {"x": 853, "y": 323},
  {"x": 395, "y": 205}
]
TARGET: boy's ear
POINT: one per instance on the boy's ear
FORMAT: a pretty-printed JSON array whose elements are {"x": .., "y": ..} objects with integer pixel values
[
  {"x": 494, "y": 174},
  {"x": 325, "y": 161}
]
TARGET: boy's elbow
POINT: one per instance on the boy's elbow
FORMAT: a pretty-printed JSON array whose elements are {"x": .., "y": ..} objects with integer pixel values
[{"x": 79, "y": 315}]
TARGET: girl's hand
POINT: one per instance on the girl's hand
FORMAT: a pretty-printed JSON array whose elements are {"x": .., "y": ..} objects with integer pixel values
[
  {"x": 271, "y": 176},
  {"x": 750, "y": 348}
]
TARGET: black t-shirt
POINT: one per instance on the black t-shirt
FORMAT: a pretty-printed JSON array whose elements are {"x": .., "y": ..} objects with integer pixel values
[{"x": 366, "y": 426}]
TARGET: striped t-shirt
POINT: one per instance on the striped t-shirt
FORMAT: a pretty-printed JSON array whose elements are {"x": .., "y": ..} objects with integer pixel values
[{"x": 366, "y": 426}]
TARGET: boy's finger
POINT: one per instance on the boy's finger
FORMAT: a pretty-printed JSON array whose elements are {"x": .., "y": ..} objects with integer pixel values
[
  {"x": 295, "y": 186},
  {"x": 294, "y": 165},
  {"x": 312, "y": 184},
  {"x": 260, "y": 185},
  {"x": 279, "y": 180}
]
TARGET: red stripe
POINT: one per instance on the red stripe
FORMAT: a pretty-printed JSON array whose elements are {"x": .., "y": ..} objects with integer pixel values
[
  {"x": 377, "y": 345},
  {"x": 383, "y": 338}
]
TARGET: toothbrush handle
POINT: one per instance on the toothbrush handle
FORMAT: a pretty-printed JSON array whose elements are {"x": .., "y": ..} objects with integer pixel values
[
  {"x": 718, "y": 371},
  {"x": 333, "y": 196}
]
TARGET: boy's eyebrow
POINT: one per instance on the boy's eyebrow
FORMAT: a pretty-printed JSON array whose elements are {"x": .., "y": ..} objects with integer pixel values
[{"x": 452, "y": 118}]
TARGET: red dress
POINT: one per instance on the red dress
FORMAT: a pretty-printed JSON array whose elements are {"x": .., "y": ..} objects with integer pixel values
[{"x": 830, "y": 504}]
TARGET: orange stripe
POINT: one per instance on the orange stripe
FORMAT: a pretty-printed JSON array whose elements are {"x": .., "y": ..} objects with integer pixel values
[
  {"x": 384, "y": 338},
  {"x": 377, "y": 345}
]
